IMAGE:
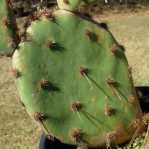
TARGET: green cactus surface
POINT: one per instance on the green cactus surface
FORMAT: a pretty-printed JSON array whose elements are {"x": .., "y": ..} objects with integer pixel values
[
  {"x": 8, "y": 29},
  {"x": 69, "y": 4},
  {"x": 74, "y": 79},
  {"x": 73, "y": 5}
]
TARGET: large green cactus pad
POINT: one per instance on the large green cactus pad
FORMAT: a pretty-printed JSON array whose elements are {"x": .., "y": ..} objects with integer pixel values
[
  {"x": 8, "y": 29},
  {"x": 73, "y": 78}
]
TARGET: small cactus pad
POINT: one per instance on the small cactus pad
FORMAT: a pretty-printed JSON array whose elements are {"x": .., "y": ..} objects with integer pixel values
[
  {"x": 8, "y": 29},
  {"x": 85, "y": 3},
  {"x": 73, "y": 5},
  {"x": 72, "y": 82},
  {"x": 69, "y": 4}
]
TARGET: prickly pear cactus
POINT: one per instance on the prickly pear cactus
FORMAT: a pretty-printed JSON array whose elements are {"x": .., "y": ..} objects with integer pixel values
[
  {"x": 8, "y": 29},
  {"x": 74, "y": 80}
]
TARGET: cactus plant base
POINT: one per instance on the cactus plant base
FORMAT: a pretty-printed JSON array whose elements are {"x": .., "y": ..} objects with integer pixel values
[{"x": 45, "y": 143}]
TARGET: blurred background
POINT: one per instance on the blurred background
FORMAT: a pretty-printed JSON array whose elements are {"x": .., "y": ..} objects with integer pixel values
[
  {"x": 128, "y": 20},
  {"x": 26, "y": 6}
]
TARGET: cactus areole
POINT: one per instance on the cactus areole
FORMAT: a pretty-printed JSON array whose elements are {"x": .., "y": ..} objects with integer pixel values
[{"x": 74, "y": 79}]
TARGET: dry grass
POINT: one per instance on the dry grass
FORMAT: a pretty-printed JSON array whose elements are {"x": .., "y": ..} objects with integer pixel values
[{"x": 18, "y": 131}]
